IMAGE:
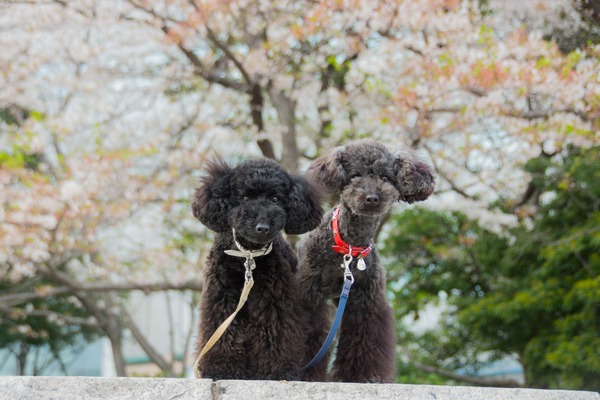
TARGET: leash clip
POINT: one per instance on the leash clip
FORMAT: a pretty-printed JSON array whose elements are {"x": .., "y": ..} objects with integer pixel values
[
  {"x": 250, "y": 264},
  {"x": 347, "y": 272}
]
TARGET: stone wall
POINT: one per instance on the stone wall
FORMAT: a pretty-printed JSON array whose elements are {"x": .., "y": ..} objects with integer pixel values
[{"x": 84, "y": 388}]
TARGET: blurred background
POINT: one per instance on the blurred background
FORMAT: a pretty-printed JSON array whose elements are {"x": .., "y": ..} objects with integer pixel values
[{"x": 109, "y": 109}]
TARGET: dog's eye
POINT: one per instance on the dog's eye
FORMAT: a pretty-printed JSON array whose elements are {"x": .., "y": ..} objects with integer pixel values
[
  {"x": 275, "y": 199},
  {"x": 384, "y": 178},
  {"x": 354, "y": 176}
]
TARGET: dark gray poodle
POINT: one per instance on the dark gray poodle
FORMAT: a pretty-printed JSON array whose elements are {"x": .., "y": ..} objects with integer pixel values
[
  {"x": 251, "y": 204},
  {"x": 369, "y": 180}
]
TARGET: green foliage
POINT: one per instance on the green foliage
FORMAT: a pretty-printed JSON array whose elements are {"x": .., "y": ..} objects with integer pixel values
[
  {"x": 7, "y": 117},
  {"x": 32, "y": 324},
  {"x": 336, "y": 71},
  {"x": 532, "y": 291},
  {"x": 19, "y": 157}
]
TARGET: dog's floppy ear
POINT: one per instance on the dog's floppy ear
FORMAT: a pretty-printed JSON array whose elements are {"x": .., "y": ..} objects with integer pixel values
[
  {"x": 414, "y": 179},
  {"x": 211, "y": 201},
  {"x": 328, "y": 171},
  {"x": 303, "y": 207}
]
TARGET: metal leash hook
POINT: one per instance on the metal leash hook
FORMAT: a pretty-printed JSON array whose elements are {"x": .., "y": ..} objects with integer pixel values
[
  {"x": 346, "y": 265},
  {"x": 250, "y": 264}
]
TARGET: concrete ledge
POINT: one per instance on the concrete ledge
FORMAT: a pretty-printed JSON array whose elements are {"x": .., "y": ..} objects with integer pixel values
[{"x": 80, "y": 388}]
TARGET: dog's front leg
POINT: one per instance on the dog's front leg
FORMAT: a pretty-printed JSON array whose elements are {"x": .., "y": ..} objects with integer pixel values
[
  {"x": 226, "y": 359},
  {"x": 365, "y": 351},
  {"x": 316, "y": 310}
]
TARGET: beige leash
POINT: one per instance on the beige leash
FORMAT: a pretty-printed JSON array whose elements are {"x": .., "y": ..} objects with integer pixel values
[
  {"x": 250, "y": 264},
  {"x": 221, "y": 329}
]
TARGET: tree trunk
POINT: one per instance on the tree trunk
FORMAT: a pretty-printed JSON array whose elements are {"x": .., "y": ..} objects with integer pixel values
[
  {"x": 22, "y": 358},
  {"x": 114, "y": 330},
  {"x": 285, "y": 107},
  {"x": 144, "y": 343},
  {"x": 256, "y": 111},
  {"x": 114, "y": 335}
]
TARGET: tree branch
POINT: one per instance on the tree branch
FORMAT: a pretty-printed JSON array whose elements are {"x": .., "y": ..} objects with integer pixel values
[
  {"x": 478, "y": 381},
  {"x": 440, "y": 172},
  {"x": 68, "y": 319},
  {"x": 213, "y": 38},
  {"x": 67, "y": 5},
  {"x": 475, "y": 91},
  {"x": 201, "y": 70},
  {"x": 199, "y": 67},
  {"x": 248, "y": 86},
  {"x": 530, "y": 115},
  {"x": 15, "y": 299}
]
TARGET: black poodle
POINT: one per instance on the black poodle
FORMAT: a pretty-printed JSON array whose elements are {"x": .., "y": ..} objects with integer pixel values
[
  {"x": 248, "y": 206},
  {"x": 369, "y": 180}
]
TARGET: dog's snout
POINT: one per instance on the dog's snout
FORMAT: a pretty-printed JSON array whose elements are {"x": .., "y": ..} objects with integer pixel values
[
  {"x": 372, "y": 198},
  {"x": 262, "y": 228}
]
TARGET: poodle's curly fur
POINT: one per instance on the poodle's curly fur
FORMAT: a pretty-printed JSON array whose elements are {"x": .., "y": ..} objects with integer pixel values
[
  {"x": 369, "y": 180},
  {"x": 259, "y": 199}
]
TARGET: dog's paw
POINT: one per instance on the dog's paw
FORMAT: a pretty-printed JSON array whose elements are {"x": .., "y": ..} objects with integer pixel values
[
  {"x": 373, "y": 380},
  {"x": 286, "y": 376}
]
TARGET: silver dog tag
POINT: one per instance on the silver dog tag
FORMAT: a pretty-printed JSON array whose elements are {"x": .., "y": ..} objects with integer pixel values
[{"x": 361, "y": 264}]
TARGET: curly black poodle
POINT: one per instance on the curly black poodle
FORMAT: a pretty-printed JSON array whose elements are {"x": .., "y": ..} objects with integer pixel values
[
  {"x": 248, "y": 206},
  {"x": 369, "y": 180}
]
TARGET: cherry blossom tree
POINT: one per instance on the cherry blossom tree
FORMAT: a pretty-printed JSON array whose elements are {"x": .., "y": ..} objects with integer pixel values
[
  {"x": 57, "y": 220},
  {"x": 80, "y": 167},
  {"x": 112, "y": 106},
  {"x": 479, "y": 96}
]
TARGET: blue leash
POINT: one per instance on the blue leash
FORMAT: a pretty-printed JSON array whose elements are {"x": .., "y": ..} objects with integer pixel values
[{"x": 348, "y": 281}]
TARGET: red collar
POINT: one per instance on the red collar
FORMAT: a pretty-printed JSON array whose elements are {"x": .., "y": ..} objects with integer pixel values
[{"x": 342, "y": 247}]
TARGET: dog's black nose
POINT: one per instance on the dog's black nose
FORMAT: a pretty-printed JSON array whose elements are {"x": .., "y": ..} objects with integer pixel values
[
  {"x": 262, "y": 228},
  {"x": 372, "y": 199}
]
